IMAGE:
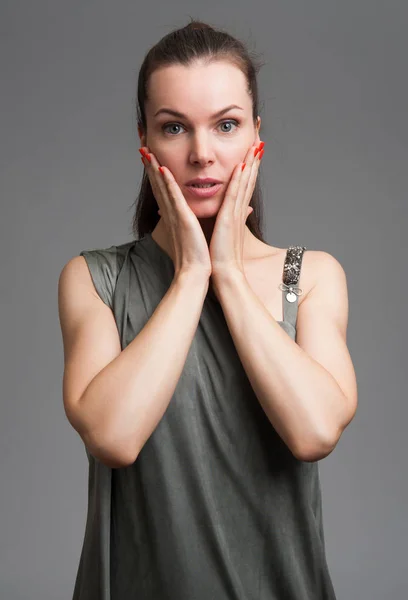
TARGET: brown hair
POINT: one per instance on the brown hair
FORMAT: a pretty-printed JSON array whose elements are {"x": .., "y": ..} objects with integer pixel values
[{"x": 195, "y": 41}]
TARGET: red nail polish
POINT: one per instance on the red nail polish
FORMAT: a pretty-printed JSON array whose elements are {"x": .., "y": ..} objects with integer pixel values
[
  {"x": 261, "y": 145},
  {"x": 243, "y": 166},
  {"x": 149, "y": 158},
  {"x": 142, "y": 152},
  {"x": 161, "y": 170},
  {"x": 261, "y": 154},
  {"x": 256, "y": 151}
]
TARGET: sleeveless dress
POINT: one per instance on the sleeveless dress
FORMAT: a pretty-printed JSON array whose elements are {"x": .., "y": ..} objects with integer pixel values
[{"x": 215, "y": 507}]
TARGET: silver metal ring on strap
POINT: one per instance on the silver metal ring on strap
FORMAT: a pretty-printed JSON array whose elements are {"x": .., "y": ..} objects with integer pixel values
[{"x": 293, "y": 291}]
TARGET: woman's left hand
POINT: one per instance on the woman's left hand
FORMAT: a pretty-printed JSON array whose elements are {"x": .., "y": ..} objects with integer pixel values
[{"x": 227, "y": 240}]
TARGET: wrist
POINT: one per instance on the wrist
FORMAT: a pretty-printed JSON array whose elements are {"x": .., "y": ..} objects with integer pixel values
[{"x": 192, "y": 276}]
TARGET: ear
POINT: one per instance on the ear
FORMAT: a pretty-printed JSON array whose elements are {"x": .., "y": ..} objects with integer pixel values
[
  {"x": 142, "y": 137},
  {"x": 258, "y": 126}
]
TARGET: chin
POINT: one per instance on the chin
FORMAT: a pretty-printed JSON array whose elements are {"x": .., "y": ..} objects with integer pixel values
[{"x": 205, "y": 210}]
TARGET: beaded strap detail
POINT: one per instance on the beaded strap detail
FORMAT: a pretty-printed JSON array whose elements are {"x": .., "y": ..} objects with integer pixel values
[{"x": 291, "y": 272}]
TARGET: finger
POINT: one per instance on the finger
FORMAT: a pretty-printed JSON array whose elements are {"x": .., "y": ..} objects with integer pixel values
[
  {"x": 253, "y": 177},
  {"x": 240, "y": 203},
  {"x": 177, "y": 206},
  {"x": 250, "y": 175},
  {"x": 157, "y": 182},
  {"x": 176, "y": 196},
  {"x": 230, "y": 199}
]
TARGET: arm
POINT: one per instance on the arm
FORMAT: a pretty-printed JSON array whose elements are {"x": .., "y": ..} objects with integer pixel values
[
  {"x": 307, "y": 388},
  {"x": 114, "y": 398}
]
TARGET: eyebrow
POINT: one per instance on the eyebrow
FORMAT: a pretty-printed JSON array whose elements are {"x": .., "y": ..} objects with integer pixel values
[{"x": 180, "y": 115}]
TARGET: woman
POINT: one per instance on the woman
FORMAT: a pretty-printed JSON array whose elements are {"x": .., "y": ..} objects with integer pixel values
[{"x": 205, "y": 382}]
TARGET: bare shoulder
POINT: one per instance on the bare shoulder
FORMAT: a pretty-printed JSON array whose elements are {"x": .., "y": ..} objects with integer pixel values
[
  {"x": 76, "y": 265},
  {"x": 320, "y": 266},
  {"x": 319, "y": 269},
  {"x": 76, "y": 273},
  {"x": 315, "y": 263}
]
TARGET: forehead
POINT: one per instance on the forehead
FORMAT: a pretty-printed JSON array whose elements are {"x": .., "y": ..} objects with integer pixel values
[{"x": 198, "y": 88}]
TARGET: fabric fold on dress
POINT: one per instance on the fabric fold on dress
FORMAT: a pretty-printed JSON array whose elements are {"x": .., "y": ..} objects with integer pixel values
[{"x": 215, "y": 506}]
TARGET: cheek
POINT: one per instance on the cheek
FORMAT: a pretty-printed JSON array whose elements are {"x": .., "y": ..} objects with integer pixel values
[
  {"x": 237, "y": 155},
  {"x": 167, "y": 157}
]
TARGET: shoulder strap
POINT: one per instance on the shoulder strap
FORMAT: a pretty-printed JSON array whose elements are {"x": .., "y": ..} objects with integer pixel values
[
  {"x": 104, "y": 265},
  {"x": 290, "y": 280}
]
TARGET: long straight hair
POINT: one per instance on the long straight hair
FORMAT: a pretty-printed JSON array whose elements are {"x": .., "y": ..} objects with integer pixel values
[{"x": 196, "y": 41}]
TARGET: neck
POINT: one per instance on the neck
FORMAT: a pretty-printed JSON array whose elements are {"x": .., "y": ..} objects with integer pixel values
[
  {"x": 159, "y": 234},
  {"x": 207, "y": 225}
]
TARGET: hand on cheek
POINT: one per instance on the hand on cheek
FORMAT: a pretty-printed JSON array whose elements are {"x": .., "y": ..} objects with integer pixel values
[{"x": 227, "y": 240}]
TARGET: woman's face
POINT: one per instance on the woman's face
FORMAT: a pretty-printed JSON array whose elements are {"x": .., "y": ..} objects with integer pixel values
[{"x": 196, "y": 142}]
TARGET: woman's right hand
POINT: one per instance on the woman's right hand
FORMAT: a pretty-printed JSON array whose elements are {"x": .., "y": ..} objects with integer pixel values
[{"x": 190, "y": 248}]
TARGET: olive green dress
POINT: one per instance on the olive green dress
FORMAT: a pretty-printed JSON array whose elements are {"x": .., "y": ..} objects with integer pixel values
[{"x": 215, "y": 507}]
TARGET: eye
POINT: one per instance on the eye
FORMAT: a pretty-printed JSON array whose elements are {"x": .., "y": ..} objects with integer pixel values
[
  {"x": 226, "y": 122},
  {"x": 170, "y": 125}
]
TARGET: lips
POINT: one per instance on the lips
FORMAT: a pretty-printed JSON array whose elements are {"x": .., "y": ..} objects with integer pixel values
[
  {"x": 200, "y": 180},
  {"x": 204, "y": 192},
  {"x": 202, "y": 185}
]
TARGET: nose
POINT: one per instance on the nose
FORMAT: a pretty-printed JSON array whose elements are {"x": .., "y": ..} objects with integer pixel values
[{"x": 201, "y": 151}]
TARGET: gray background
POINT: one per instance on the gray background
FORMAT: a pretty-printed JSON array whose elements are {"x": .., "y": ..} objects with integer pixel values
[{"x": 334, "y": 108}]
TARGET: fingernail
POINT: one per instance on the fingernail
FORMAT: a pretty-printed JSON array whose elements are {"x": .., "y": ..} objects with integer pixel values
[
  {"x": 243, "y": 167},
  {"x": 142, "y": 152},
  {"x": 259, "y": 148},
  {"x": 261, "y": 154},
  {"x": 161, "y": 170},
  {"x": 149, "y": 158}
]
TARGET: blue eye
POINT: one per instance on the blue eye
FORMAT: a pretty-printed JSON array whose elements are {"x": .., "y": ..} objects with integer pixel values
[
  {"x": 170, "y": 125},
  {"x": 233, "y": 121},
  {"x": 228, "y": 121}
]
